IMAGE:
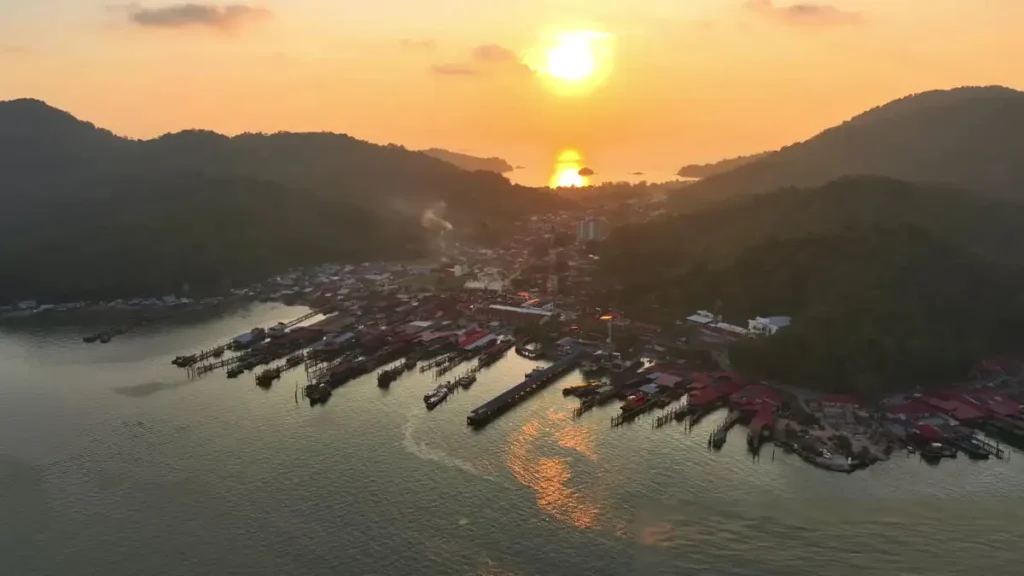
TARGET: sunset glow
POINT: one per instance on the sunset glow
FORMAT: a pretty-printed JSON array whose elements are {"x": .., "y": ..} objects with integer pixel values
[{"x": 643, "y": 87}]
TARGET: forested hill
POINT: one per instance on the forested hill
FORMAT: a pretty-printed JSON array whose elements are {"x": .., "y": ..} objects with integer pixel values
[
  {"x": 45, "y": 152},
  {"x": 706, "y": 170},
  {"x": 89, "y": 214},
  {"x": 972, "y": 138},
  {"x": 471, "y": 163},
  {"x": 989, "y": 227},
  {"x": 889, "y": 283},
  {"x": 136, "y": 236}
]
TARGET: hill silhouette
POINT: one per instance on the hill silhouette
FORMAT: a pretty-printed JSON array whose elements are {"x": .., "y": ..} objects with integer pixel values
[
  {"x": 67, "y": 184},
  {"x": 710, "y": 169},
  {"x": 42, "y": 148},
  {"x": 889, "y": 283},
  {"x": 990, "y": 227},
  {"x": 471, "y": 163},
  {"x": 972, "y": 138}
]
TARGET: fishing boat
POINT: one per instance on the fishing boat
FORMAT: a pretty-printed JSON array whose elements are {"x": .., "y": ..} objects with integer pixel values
[
  {"x": 267, "y": 377},
  {"x": 634, "y": 402},
  {"x": 386, "y": 377},
  {"x": 437, "y": 390},
  {"x": 318, "y": 393},
  {"x": 436, "y": 400},
  {"x": 439, "y": 395}
]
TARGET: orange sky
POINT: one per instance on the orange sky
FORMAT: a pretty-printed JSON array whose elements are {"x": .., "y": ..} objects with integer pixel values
[{"x": 690, "y": 80}]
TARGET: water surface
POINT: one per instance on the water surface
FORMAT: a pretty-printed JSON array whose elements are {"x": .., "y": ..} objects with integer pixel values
[{"x": 113, "y": 462}]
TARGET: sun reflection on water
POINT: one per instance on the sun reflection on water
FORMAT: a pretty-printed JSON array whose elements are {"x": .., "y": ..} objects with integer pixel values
[
  {"x": 549, "y": 477},
  {"x": 567, "y": 171}
]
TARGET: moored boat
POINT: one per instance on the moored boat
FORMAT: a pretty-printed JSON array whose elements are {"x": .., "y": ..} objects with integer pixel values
[
  {"x": 467, "y": 380},
  {"x": 435, "y": 399}
]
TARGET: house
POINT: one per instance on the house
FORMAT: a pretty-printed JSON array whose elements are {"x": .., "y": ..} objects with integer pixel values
[{"x": 767, "y": 326}]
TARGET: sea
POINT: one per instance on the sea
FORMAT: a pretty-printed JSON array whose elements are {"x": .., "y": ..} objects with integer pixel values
[{"x": 114, "y": 462}]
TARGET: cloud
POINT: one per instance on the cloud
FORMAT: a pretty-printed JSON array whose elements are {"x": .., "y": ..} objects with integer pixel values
[
  {"x": 421, "y": 45},
  {"x": 494, "y": 53},
  {"x": 804, "y": 13},
  {"x": 454, "y": 70},
  {"x": 196, "y": 15},
  {"x": 12, "y": 50},
  {"x": 484, "y": 60}
]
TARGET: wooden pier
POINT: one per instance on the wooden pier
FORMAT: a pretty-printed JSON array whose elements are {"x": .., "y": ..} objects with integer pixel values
[
  {"x": 677, "y": 412},
  {"x": 626, "y": 417},
  {"x": 716, "y": 439},
  {"x": 197, "y": 370},
  {"x": 190, "y": 362},
  {"x": 490, "y": 410},
  {"x": 583, "y": 408}
]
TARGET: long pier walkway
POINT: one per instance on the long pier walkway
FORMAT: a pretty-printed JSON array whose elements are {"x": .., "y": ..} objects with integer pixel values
[{"x": 491, "y": 409}]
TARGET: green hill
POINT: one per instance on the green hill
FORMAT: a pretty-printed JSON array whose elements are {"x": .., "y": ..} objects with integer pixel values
[
  {"x": 971, "y": 138},
  {"x": 220, "y": 209},
  {"x": 888, "y": 283}
]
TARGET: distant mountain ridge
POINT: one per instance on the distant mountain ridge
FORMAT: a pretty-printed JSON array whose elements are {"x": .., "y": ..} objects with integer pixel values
[
  {"x": 296, "y": 198},
  {"x": 471, "y": 163},
  {"x": 710, "y": 169},
  {"x": 971, "y": 138}
]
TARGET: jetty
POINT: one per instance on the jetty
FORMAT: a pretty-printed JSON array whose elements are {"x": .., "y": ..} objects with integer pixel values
[
  {"x": 198, "y": 370},
  {"x": 191, "y": 360},
  {"x": 716, "y": 439},
  {"x": 491, "y": 409},
  {"x": 677, "y": 413}
]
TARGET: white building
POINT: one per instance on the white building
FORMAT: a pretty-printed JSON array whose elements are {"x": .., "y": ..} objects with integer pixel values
[
  {"x": 489, "y": 282},
  {"x": 767, "y": 326},
  {"x": 591, "y": 229}
]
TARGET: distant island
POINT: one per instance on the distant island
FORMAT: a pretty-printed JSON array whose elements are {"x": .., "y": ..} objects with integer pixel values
[{"x": 471, "y": 163}]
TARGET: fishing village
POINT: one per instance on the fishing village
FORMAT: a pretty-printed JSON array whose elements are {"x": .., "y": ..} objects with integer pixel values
[{"x": 453, "y": 319}]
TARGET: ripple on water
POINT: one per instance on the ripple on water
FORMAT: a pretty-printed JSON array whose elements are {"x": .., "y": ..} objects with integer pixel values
[{"x": 249, "y": 482}]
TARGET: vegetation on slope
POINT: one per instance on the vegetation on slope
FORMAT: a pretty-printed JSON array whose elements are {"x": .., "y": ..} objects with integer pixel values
[
  {"x": 213, "y": 209},
  {"x": 712, "y": 168},
  {"x": 889, "y": 284},
  {"x": 970, "y": 138},
  {"x": 471, "y": 163},
  {"x": 152, "y": 237}
]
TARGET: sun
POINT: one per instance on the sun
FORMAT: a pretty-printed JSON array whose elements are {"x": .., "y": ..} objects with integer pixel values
[
  {"x": 572, "y": 62},
  {"x": 572, "y": 58}
]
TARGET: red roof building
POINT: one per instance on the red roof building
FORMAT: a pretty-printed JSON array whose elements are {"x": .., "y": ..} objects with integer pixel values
[
  {"x": 840, "y": 400},
  {"x": 765, "y": 416},
  {"x": 957, "y": 409}
]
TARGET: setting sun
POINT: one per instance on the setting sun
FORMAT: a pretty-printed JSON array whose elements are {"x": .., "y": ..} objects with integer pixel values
[
  {"x": 572, "y": 58},
  {"x": 573, "y": 61}
]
